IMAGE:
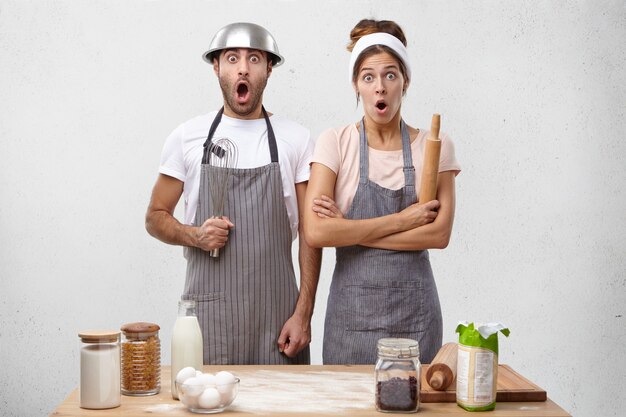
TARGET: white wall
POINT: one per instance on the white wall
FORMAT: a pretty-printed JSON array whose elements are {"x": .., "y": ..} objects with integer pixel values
[{"x": 532, "y": 92}]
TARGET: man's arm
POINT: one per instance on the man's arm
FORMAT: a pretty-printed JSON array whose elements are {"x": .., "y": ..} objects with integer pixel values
[
  {"x": 161, "y": 224},
  {"x": 296, "y": 332}
]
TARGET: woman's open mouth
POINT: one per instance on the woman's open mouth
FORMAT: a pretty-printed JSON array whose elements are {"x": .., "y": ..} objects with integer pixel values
[{"x": 381, "y": 106}]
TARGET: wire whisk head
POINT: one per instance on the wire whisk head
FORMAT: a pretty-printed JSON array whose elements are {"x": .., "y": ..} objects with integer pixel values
[{"x": 222, "y": 159}]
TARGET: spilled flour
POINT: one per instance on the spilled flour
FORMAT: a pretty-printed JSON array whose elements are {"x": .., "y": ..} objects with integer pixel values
[
  {"x": 271, "y": 392},
  {"x": 164, "y": 408}
]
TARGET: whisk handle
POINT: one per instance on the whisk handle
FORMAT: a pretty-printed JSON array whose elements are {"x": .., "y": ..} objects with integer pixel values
[{"x": 214, "y": 253}]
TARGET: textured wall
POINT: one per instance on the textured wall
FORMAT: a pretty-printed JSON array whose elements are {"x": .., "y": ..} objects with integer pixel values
[{"x": 532, "y": 92}]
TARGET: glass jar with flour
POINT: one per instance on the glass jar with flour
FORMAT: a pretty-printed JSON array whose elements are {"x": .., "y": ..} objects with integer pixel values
[{"x": 99, "y": 369}]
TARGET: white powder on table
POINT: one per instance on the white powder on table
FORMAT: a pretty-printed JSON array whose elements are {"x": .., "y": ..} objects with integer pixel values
[
  {"x": 269, "y": 392},
  {"x": 165, "y": 408}
]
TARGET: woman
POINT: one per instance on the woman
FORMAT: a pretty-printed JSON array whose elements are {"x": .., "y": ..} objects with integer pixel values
[{"x": 383, "y": 284}]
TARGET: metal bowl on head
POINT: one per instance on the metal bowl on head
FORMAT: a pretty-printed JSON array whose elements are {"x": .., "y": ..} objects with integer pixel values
[
  {"x": 206, "y": 398},
  {"x": 244, "y": 35}
]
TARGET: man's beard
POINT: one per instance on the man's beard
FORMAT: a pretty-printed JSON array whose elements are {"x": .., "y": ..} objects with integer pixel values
[{"x": 255, "y": 91}]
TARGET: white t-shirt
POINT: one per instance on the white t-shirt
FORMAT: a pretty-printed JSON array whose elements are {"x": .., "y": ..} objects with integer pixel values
[{"x": 182, "y": 155}]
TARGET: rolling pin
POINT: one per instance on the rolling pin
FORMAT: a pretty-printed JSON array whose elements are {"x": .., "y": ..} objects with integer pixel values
[
  {"x": 430, "y": 170},
  {"x": 442, "y": 370}
]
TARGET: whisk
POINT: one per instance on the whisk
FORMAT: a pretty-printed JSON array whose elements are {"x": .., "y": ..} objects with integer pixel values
[{"x": 222, "y": 159}]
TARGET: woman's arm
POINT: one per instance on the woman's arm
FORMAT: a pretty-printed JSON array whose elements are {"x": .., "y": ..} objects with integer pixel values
[
  {"x": 321, "y": 231},
  {"x": 427, "y": 235},
  {"x": 435, "y": 235}
]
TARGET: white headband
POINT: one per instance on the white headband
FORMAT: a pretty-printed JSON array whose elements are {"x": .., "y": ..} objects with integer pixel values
[{"x": 380, "y": 38}]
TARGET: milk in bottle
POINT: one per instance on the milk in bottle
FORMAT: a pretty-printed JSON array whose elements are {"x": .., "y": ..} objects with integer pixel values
[{"x": 186, "y": 341}]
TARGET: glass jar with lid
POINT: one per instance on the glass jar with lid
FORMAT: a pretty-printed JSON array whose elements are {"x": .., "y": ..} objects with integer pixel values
[
  {"x": 141, "y": 359},
  {"x": 397, "y": 375},
  {"x": 99, "y": 369}
]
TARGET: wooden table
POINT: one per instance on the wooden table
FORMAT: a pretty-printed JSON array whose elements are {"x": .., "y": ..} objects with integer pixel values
[{"x": 296, "y": 390}]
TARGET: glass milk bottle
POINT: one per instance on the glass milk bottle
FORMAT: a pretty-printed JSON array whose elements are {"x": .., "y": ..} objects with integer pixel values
[
  {"x": 99, "y": 369},
  {"x": 186, "y": 341}
]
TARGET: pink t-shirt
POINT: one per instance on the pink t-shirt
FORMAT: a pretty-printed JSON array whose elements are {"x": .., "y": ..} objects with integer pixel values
[{"x": 338, "y": 149}]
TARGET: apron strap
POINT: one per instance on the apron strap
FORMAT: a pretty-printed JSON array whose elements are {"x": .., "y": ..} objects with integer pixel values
[
  {"x": 363, "y": 154},
  {"x": 407, "y": 155},
  {"x": 218, "y": 118},
  {"x": 207, "y": 143},
  {"x": 270, "y": 137}
]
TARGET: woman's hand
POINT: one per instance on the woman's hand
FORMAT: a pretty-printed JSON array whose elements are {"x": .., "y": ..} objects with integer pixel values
[
  {"x": 417, "y": 215},
  {"x": 326, "y": 207}
]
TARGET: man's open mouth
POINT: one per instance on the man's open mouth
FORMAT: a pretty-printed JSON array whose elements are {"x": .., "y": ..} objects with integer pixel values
[{"x": 242, "y": 91}]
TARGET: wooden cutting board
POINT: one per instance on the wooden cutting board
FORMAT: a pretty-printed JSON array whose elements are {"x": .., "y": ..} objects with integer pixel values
[{"x": 511, "y": 387}]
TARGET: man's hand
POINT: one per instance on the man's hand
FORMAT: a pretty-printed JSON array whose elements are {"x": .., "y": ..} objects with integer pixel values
[
  {"x": 213, "y": 233},
  {"x": 295, "y": 336}
]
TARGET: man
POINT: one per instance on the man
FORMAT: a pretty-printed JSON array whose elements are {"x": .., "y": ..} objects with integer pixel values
[{"x": 249, "y": 308}]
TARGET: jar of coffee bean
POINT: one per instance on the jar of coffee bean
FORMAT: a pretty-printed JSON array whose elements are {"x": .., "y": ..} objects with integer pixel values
[{"x": 397, "y": 376}]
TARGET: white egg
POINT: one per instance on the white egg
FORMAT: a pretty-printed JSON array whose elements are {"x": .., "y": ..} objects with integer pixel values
[
  {"x": 207, "y": 379},
  {"x": 192, "y": 387},
  {"x": 225, "y": 381},
  {"x": 224, "y": 377},
  {"x": 227, "y": 394},
  {"x": 210, "y": 398},
  {"x": 185, "y": 374},
  {"x": 190, "y": 402},
  {"x": 198, "y": 373},
  {"x": 225, "y": 389}
]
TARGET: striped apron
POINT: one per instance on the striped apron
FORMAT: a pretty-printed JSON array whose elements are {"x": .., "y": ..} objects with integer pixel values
[
  {"x": 246, "y": 294},
  {"x": 378, "y": 293}
]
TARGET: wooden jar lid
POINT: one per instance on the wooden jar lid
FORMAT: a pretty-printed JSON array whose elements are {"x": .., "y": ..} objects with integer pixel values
[
  {"x": 99, "y": 336},
  {"x": 140, "y": 327}
]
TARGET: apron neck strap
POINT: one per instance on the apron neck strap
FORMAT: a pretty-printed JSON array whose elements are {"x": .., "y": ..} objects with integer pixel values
[
  {"x": 363, "y": 154},
  {"x": 270, "y": 136},
  {"x": 218, "y": 118},
  {"x": 407, "y": 155}
]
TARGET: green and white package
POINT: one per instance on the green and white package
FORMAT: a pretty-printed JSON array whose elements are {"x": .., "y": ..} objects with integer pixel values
[{"x": 477, "y": 365}]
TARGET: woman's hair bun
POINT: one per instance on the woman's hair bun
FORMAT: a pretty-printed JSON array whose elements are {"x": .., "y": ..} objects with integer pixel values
[{"x": 369, "y": 26}]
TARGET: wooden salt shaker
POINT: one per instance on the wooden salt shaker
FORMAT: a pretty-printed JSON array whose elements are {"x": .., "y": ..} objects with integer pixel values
[{"x": 442, "y": 370}]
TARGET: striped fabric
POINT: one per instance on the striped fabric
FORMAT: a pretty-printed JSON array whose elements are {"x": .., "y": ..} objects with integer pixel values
[
  {"x": 247, "y": 293},
  {"x": 378, "y": 293}
]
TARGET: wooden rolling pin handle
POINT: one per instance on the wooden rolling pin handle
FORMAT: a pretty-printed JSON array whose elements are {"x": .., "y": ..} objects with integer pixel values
[
  {"x": 437, "y": 380},
  {"x": 430, "y": 170},
  {"x": 435, "y": 124},
  {"x": 442, "y": 370},
  {"x": 440, "y": 376}
]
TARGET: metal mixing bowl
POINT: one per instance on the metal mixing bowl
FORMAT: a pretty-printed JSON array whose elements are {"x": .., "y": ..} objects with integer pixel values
[{"x": 244, "y": 35}]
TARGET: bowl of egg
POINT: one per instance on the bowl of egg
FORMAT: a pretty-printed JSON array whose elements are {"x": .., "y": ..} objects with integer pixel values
[{"x": 206, "y": 393}]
